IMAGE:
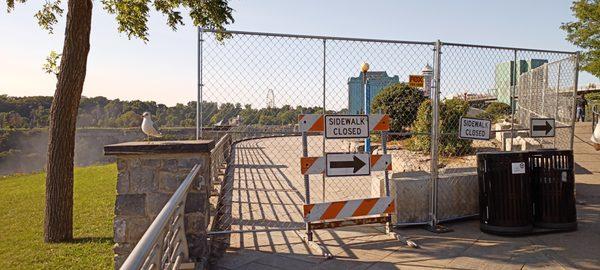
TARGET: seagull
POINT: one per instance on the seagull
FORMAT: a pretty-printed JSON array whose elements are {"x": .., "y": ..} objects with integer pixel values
[{"x": 148, "y": 126}]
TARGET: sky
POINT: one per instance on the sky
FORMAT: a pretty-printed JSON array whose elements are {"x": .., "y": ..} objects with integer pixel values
[{"x": 165, "y": 68}]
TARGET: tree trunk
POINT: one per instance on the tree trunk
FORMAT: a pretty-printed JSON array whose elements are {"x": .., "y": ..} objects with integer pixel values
[{"x": 58, "y": 222}]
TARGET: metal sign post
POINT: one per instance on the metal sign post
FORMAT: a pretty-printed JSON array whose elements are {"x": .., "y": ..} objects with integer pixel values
[{"x": 367, "y": 112}]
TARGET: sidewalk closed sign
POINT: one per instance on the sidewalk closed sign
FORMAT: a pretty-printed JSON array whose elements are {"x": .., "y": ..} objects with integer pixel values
[
  {"x": 475, "y": 129},
  {"x": 346, "y": 126}
]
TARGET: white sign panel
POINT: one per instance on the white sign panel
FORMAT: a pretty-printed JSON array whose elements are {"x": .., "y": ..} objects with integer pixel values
[
  {"x": 518, "y": 167},
  {"x": 542, "y": 127},
  {"x": 347, "y": 164},
  {"x": 476, "y": 129},
  {"x": 346, "y": 126}
]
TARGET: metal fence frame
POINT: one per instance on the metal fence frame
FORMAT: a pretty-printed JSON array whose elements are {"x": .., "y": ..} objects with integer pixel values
[{"x": 439, "y": 47}]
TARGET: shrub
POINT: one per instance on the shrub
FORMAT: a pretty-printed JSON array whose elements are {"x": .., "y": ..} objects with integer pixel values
[
  {"x": 498, "y": 110},
  {"x": 400, "y": 102},
  {"x": 420, "y": 140},
  {"x": 449, "y": 144},
  {"x": 592, "y": 96},
  {"x": 451, "y": 112}
]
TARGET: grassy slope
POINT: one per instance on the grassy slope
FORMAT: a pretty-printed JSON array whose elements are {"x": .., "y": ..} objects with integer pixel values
[{"x": 22, "y": 219}]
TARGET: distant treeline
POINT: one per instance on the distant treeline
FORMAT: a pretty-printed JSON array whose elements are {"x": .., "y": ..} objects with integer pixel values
[{"x": 33, "y": 112}]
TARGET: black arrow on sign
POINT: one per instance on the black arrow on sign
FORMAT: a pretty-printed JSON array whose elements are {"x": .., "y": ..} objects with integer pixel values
[
  {"x": 356, "y": 163},
  {"x": 547, "y": 127}
]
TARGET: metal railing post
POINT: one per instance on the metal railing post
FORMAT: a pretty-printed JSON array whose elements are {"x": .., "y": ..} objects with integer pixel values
[
  {"x": 306, "y": 184},
  {"x": 513, "y": 103},
  {"x": 435, "y": 131},
  {"x": 367, "y": 109},
  {"x": 199, "y": 96},
  {"x": 324, "y": 109},
  {"x": 544, "y": 87},
  {"x": 574, "y": 108},
  {"x": 557, "y": 98}
]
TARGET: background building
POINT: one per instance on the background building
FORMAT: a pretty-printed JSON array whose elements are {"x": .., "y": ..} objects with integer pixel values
[
  {"x": 427, "y": 73},
  {"x": 377, "y": 81},
  {"x": 505, "y": 76}
]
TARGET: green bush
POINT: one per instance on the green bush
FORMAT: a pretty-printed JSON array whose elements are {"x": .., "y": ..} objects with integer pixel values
[
  {"x": 485, "y": 115},
  {"x": 420, "y": 140},
  {"x": 498, "y": 110},
  {"x": 451, "y": 112},
  {"x": 592, "y": 96},
  {"x": 449, "y": 144},
  {"x": 400, "y": 102}
]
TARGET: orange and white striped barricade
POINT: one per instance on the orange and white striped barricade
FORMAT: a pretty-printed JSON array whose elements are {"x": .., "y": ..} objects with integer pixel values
[
  {"x": 348, "y": 209},
  {"x": 351, "y": 212}
]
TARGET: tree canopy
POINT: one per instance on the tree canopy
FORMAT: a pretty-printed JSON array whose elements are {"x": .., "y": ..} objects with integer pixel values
[
  {"x": 585, "y": 33},
  {"x": 34, "y": 112},
  {"x": 132, "y": 15}
]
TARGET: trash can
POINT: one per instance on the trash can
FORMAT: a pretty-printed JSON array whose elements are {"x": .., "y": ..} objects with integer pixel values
[
  {"x": 505, "y": 203},
  {"x": 553, "y": 183}
]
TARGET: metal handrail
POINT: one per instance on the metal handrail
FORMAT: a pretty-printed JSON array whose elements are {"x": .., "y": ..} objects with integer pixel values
[
  {"x": 219, "y": 155},
  {"x": 154, "y": 252}
]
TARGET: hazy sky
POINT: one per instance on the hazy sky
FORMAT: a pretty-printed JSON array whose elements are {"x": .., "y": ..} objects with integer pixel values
[{"x": 164, "y": 70}]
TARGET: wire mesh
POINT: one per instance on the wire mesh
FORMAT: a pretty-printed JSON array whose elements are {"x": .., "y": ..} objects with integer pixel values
[{"x": 256, "y": 84}]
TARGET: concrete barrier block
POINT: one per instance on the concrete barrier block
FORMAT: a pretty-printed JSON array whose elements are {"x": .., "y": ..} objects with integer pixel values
[{"x": 457, "y": 194}]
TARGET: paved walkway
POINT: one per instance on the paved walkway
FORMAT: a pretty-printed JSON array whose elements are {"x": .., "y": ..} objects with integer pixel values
[{"x": 367, "y": 247}]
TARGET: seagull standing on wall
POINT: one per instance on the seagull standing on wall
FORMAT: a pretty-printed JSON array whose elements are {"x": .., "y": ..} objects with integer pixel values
[{"x": 148, "y": 126}]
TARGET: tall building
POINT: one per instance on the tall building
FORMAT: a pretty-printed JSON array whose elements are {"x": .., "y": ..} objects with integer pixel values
[
  {"x": 427, "y": 73},
  {"x": 377, "y": 81},
  {"x": 505, "y": 76}
]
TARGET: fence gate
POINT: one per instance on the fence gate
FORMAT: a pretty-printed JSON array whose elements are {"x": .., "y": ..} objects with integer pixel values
[{"x": 254, "y": 86}]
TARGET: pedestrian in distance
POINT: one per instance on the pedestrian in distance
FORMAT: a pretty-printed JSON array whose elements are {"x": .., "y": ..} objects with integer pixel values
[{"x": 581, "y": 104}]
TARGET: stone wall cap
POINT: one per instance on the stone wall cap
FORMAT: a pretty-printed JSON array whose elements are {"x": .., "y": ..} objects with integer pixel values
[{"x": 159, "y": 147}]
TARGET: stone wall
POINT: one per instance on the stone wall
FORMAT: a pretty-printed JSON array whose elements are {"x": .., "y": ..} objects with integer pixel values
[
  {"x": 146, "y": 181},
  {"x": 24, "y": 151}
]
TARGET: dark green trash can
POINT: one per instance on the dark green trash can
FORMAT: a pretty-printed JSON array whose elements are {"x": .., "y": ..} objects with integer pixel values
[
  {"x": 553, "y": 182},
  {"x": 505, "y": 203}
]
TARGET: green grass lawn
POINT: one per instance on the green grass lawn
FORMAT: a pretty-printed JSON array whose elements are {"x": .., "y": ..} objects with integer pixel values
[{"x": 22, "y": 217}]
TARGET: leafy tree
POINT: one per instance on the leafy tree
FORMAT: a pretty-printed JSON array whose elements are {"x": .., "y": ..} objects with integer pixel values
[
  {"x": 495, "y": 111},
  {"x": 450, "y": 113},
  {"x": 593, "y": 96},
  {"x": 129, "y": 119},
  {"x": 449, "y": 144},
  {"x": 421, "y": 138},
  {"x": 401, "y": 102},
  {"x": 585, "y": 33},
  {"x": 132, "y": 19}
]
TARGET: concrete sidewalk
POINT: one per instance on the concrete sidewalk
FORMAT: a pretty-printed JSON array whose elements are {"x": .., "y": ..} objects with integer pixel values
[{"x": 367, "y": 247}]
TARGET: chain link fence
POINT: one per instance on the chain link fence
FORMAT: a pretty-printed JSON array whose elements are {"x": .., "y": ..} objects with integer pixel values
[{"x": 256, "y": 85}]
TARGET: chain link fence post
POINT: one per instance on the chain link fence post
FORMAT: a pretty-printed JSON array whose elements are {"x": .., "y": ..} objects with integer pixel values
[
  {"x": 513, "y": 103},
  {"x": 324, "y": 185},
  {"x": 435, "y": 131},
  {"x": 199, "y": 97},
  {"x": 575, "y": 85},
  {"x": 557, "y": 98}
]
